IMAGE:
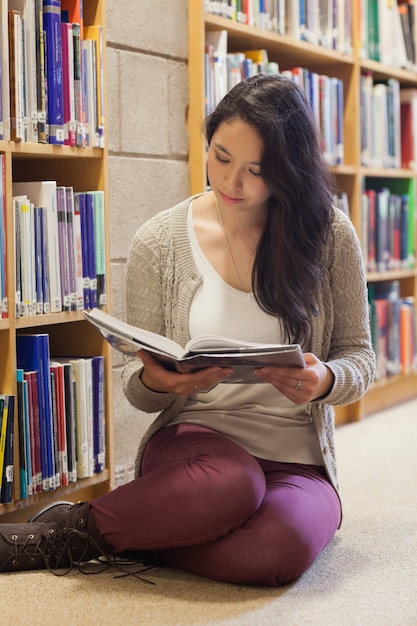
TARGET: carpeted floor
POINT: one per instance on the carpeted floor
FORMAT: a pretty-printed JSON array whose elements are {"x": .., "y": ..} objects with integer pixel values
[{"x": 366, "y": 577}]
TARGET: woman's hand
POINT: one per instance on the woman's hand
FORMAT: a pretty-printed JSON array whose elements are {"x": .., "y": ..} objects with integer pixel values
[
  {"x": 157, "y": 378},
  {"x": 300, "y": 384}
]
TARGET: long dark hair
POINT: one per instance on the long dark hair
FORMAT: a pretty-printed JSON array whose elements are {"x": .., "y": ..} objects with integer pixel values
[{"x": 288, "y": 265}]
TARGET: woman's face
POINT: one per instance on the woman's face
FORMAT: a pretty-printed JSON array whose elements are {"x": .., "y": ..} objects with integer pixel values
[{"x": 234, "y": 165}]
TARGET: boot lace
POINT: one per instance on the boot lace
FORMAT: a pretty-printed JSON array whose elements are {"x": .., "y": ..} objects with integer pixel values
[{"x": 67, "y": 549}]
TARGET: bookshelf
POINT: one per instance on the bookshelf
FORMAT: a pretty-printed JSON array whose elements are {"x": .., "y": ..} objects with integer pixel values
[
  {"x": 70, "y": 335},
  {"x": 351, "y": 176}
]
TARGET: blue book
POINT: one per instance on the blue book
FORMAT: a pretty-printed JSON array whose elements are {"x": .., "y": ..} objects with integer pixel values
[
  {"x": 79, "y": 201},
  {"x": 91, "y": 248},
  {"x": 99, "y": 246},
  {"x": 53, "y": 44},
  {"x": 99, "y": 434},
  {"x": 33, "y": 354}
]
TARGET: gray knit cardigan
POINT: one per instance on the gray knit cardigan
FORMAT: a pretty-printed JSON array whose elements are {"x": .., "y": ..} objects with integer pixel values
[{"x": 162, "y": 278}]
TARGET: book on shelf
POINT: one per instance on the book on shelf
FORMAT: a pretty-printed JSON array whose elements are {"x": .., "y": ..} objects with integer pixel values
[
  {"x": 68, "y": 84},
  {"x": 53, "y": 48},
  {"x": 44, "y": 194},
  {"x": 61, "y": 197},
  {"x": 200, "y": 352},
  {"x": 88, "y": 65},
  {"x": 4, "y": 303},
  {"x": 99, "y": 444},
  {"x": 25, "y": 469},
  {"x": 406, "y": 12},
  {"x": 95, "y": 33},
  {"x": 69, "y": 398},
  {"x": 61, "y": 416},
  {"x": 4, "y": 68},
  {"x": 59, "y": 421},
  {"x": 41, "y": 94},
  {"x": 34, "y": 429},
  {"x": 6, "y": 448},
  {"x": 72, "y": 11},
  {"x": 72, "y": 249},
  {"x": 393, "y": 328},
  {"x": 80, "y": 137},
  {"x": 16, "y": 76},
  {"x": 33, "y": 355},
  {"x": 99, "y": 242},
  {"x": 27, "y": 69},
  {"x": 408, "y": 98}
]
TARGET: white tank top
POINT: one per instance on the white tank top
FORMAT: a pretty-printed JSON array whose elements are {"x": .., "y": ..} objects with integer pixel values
[{"x": 257, "y": 416}]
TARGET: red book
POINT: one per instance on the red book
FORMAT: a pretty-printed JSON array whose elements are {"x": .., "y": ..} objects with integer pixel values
[{"x": 34, "y": 429}]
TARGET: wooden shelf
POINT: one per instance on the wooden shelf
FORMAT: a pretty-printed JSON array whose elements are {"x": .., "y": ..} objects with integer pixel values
[
  {"x": 288, "y": 53},
  {"x": 70, "y": 334}
]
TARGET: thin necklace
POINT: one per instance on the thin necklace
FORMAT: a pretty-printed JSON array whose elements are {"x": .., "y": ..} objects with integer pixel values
[{"x": 228, "y": 246}]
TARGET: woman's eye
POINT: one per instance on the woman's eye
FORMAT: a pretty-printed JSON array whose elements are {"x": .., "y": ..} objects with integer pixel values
[
  {"x": 255, "y": 173},
  {"x": 221, "y": 160}
]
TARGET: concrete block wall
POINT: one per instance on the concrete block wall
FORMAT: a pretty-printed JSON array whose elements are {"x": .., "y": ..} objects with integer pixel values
[{"x": 147, "y": 98}]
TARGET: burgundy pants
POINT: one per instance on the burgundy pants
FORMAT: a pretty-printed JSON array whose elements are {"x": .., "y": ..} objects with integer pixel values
[{"x": 214, "y": 510}]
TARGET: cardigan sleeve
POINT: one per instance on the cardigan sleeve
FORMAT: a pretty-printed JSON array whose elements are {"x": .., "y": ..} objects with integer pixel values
[
  {"x": 144, "y": 309},
  {"x": 351, "y": 356}
]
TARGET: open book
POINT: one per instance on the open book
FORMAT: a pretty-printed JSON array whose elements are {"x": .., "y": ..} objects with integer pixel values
[{"x": 200, "y": 352}]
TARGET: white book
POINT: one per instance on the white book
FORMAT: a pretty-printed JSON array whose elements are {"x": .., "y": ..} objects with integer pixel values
[
  {"x": 5, "y": 87},
  {"x": 200, "y": 352},
  {"x": 81, "y": 412},
  {"x": 218, "y": 39},
  {"x": 26, "y": 9},
  {"x": 16, "y": 52},
  {"x": 89, "y": 416},
  {"x": 292, "y": 25},
  {"x": 88, "y": 48},
  {"x": 24, "y": 214},
  {"x": 43, "y": 193}
]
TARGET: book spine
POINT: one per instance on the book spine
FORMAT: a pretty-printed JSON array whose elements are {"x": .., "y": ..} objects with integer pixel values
[
  {"x": 99, "y": 414},
  {"x": 72, "y": 260},
  {"x": 100, "y": 246},
  {"x": 78, "y": 246},
  {"x": 91, "y": 248},
  {"x": 80, "y": 138},
  {"x": 40, "y": 73},
  {"x": 31, "y": 71},
  {"x": 61, "y": 429},
  {"x": 53, "y": 43},
  {"x": 5, "y": 71},
  {"x": 37, "y": 213},
  {"x": 63, "y": 248},
  {"x": 15, "y": 70},
  {"x": 4, "y": 413},
  {"x": 8, "y": 468},
  {"x": 68, "y": 84},
  {"x": 69, "y": 395},
  {"x": 81, "y": 417},
  {"x": 30, "y": 487},
  {"x": 34, "y": 429},
  {"x": 22, "y": 434},
  {"x": 4, "y": 305},
  {"x": 96, "y": 34}
]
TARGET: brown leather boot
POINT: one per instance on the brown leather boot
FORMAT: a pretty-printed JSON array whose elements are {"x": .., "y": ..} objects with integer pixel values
[{"x": 70, "y": 539}]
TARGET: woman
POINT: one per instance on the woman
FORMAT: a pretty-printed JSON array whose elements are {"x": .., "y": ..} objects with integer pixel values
[{"x": 235, "y": 482}]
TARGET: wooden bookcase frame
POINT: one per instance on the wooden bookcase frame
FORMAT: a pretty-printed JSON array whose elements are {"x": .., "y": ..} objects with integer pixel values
[
  {"x": 289, "y": 52},
  {"x": 70, "y": 334}
]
